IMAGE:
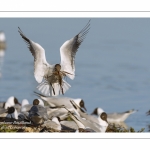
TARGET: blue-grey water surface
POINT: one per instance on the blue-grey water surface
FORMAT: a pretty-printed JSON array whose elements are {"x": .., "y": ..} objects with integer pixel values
[{"x": 112, "y": 64}]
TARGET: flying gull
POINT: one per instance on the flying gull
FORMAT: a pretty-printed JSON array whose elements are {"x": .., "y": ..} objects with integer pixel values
[{"x": 51, "y": 77}]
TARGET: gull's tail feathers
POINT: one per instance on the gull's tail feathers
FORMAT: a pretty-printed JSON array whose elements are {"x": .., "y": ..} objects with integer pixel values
[
  {"x": 54, "y": 89},
  {"x": 131, "y": 111}
]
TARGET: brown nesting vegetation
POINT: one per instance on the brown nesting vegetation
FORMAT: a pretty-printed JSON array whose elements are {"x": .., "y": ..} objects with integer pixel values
[{"x": 26, "y": 128}]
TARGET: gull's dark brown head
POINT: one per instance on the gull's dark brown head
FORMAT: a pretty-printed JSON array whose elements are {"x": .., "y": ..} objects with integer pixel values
[
  {"x": 11, "y": 110},
  {"x": 82, "y": 104},
  {"x": 36, "y": 102},
  {"x": 103, "y": 116},
  {"x": 57, "y": 67},
  {"x": 16, "y": 101}
]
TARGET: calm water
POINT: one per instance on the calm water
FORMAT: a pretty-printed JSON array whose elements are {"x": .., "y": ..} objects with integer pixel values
[{"x": 112, "y": 64}]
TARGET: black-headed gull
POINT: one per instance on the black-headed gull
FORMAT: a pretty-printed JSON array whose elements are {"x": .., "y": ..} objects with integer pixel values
[
  {"x": 115, "y": 117},
  {"x": 37, "y": 113},
  {"x": 59, "y": 101},
  {"x": 100, "y": 120},
  {"x": 11, "y": 101},
  {"x": 9, "y": 111},
  {"x": 50, "y": 76},
  {"x": 82, "y": 123}
]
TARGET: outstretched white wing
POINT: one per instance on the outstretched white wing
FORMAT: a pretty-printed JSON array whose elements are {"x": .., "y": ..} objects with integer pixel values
[
  {"x": 41, "y": 66},
  {"x": 68, "y": 51}
]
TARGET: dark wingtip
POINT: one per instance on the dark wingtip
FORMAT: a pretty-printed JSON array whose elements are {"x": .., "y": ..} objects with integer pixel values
[
  {"x": 148, "y": 113},
  {"x": 19, "y": 30},
  {"x": 89, "y": 20},
  {"x": 37, "y": 94},
  {"x": 73, "y": 104}
]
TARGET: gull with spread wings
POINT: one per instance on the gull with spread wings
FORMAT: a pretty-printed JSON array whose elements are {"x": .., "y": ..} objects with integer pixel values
[{"x": 50, "y": 76}]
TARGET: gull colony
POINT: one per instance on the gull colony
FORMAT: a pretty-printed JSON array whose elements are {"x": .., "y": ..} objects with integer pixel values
[
  {"x": 51, "y": 112},
  {"x": 58, "y": 114}
]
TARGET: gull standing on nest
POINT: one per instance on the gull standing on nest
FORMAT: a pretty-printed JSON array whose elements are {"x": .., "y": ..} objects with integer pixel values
[{"x": 49, "y": 76}]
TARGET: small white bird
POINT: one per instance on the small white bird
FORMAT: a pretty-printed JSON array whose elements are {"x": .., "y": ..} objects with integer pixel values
[
  {"x": 52, "y": 75},
  {"x": 11, "y": 101},
  {"x": 2, "y": 43},
  {"x": 2, "y": 49},
  {"x": 115, "y": 117}
]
